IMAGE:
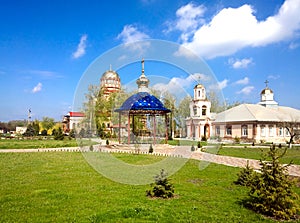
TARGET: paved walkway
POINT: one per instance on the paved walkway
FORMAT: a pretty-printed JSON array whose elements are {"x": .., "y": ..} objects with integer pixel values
[{"x": 164, "y": 150}]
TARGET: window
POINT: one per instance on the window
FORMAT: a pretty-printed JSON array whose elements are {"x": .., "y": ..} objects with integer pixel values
[
  {"x": 271, "y": 130},
  {"x": 228, "y": 130},
  {"x": 203, "y": 110},
  {"x": 281, "y": 131},
  {"x": 263, "y": 131},
  {"x": 199, "y": 93},
  {"x": 244, "y": 130},
  {"x": 218, "y": 132},
  {"x": 287, "y": 132},
  {"x": 195, "y": 110}
]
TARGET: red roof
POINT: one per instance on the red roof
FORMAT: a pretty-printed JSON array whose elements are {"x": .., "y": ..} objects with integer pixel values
[{"x": 76, "y": 114}]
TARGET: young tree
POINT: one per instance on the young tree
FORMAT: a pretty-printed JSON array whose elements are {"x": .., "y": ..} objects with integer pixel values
[
  {"x": 182, "y": 112},
  {"x": 59, "y": 135},
  {"x": 162, "y": 187},
  {"x": 271, "y": 191},
  {"x": 47, "y": 123}
]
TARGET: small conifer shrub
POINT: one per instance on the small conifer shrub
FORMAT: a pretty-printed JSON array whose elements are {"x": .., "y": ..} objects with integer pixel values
[
  {"x": 246, "y": 176},
  {"x": 151, "y": 149},
  {"x": 271, "y": 191},
  {"x": 162, "y": 187},
  {"x": 193, "y": 148}
]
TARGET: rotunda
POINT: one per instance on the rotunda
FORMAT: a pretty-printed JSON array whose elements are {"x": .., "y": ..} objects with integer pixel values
[{"x": 110, "y": 82}]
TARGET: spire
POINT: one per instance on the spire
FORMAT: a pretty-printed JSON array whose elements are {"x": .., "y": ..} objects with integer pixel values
[
  {"x": 143, "y": 68},
  {"x": 143, "y": 81},
  {"x": 110, "y": 68}
]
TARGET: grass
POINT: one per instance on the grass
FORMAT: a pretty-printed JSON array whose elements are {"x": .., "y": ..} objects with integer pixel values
[
  {"x": 62, "y": 187},
  {"x": 256, "y": 153},
  {"x": 38, "y": 143}
]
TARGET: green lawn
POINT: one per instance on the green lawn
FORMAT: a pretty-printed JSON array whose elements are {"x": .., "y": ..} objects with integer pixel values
[
  {"x": 62, "y": 187},
  {"x": 256, "y": 153},
  {"x": 38, "y": 143}
]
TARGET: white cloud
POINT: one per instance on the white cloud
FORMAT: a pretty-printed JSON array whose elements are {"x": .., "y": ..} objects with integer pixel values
[
  {"x": 243, "y": 81},
  {"x": 246, "y": 90},
  {"x": 220, "y": 85},
  {"x": 293, "y": 46},
  {"x": 132, "y": 38},
  {"x": 274, "y": 77},
  {"x": 243, "y": 63},
  {"x": 131, "y": 34},
  {"x": 37, "y": 88},
  {"x": 177, "y": 86},
  {"x": 235, "y": 28},
  {"x": 80, "y": 51},
  {"x": 189, "y": 17}
]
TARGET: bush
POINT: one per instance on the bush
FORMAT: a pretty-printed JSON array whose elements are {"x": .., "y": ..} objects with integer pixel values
[
  {"x": 91, "y": 148},
  {"x": 199, "y": 144},
  {"x": 151, "y": 149},
  {"x": 59, "y": 135},
  {"x": 203, "y": 138},
  {"x": 246, "y": 176},
  {"x": 271, "y": 191},
  {"x": 193, "y": 148},
  {"x": 237, "y": 140},
  {"x": 72, "y": 134},
  {"x": 44, "y": 132},
  {"x": 162, "y": 187}
]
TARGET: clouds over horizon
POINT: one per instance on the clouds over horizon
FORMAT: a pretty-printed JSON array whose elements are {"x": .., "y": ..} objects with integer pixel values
[
  {"x": 80, "y": 51},
  {"x": 233, "y": 29}
]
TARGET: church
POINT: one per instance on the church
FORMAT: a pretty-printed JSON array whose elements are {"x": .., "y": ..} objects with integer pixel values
[
  {"x": 265, "y": 121},
  {"x": 199, "y": 124},
  {"x": 110, "y": 82}
]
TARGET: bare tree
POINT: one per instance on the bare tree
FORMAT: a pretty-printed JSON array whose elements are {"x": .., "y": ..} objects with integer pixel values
[{"x": 293, "y": 130}]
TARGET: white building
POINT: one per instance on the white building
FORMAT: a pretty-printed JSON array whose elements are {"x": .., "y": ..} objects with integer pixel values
[
  {"x": 265, "y": 121},
  {"x": 199, "y": 124},
  {"x": 73, "y": 120}
]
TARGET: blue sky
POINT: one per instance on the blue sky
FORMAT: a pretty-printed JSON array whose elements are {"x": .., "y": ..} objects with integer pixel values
[{"x": 46, "y": 46}]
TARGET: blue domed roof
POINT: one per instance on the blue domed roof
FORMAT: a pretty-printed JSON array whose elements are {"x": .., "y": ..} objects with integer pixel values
[{"x": 143, "y": 102}]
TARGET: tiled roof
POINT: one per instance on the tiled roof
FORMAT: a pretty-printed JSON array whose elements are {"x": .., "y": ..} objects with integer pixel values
[{"x": 76, "y": 114}]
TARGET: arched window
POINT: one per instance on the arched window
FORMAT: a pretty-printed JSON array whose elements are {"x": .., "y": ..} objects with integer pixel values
[
  {"x": 229, "y": 130},
  {"x": 204, "y": 108},
  {"x": 195, "y": 110},
  {"x": 244, "y": 130}
]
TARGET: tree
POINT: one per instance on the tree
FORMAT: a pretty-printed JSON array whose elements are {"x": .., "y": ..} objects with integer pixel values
[
  {"x": 216, "y": 104},
  {"x": 182, "y": 112},
  {"x": 271, "y": 191},
  {"x": 59, "y": 135},
  {"x": 44, "y": 132},
  {"x": 29, "y": 131},
  {"x": 47, "y": 123},
  {"x": 33, "y": 129},
  {"x": 293, "y": 129},
  {"x": 162, "y": 187}
]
